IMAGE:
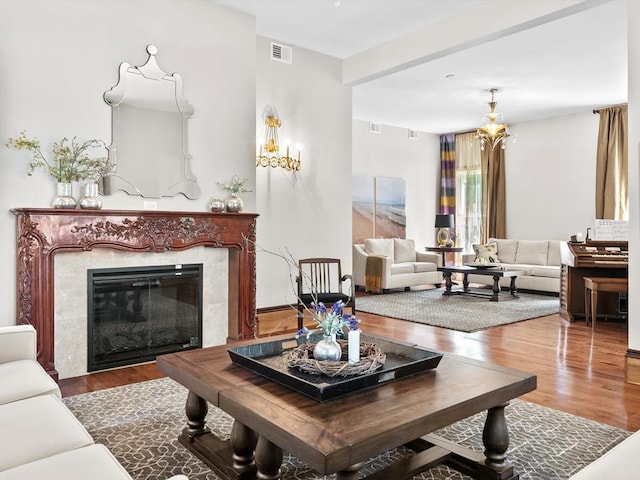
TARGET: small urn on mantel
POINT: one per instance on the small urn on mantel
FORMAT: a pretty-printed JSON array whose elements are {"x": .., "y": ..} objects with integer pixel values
[{"x": 90, "y": 201}]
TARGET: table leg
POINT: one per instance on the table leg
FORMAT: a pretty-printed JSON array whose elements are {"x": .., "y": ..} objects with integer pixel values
[
  {"x": 495, "y": 438},
  {"x": 268, "y": 459},
  {"x": 196, "y": 409},
  {"x": 465, "y": 282},
  {"x": 447, "y": 283},
  {"x": 594, "y": 308},
  {"x": 496, "y": 289},
  {"x": 243, "y": 444},
  {"x": 512, "y": 287},
  {"x": 587, "y": 305},
  {"x": 350, "y": 473}
]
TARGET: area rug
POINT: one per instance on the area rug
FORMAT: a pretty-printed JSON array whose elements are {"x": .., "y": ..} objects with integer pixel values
[
  {"x": 464, "y": 313},
  {"x": 140, "y": 423}
]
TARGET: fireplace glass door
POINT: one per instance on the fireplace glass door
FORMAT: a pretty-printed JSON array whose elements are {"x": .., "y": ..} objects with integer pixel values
[{"x": 137, "y": 313}]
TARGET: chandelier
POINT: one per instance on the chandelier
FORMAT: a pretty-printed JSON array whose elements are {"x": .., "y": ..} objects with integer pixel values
[
  {"x": 492, "y": 133},
  {"x": 269, "y": 155}
]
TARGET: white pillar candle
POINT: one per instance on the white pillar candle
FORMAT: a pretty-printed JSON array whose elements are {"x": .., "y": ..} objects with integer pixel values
[{"x": 354, "y": 345}]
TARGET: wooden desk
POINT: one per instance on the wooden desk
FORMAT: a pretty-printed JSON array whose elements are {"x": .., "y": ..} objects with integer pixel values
[
  {"x": 444, "y": 251},
  {"x": 340, "y": 434},
  {"x": 593, "y": 285}
]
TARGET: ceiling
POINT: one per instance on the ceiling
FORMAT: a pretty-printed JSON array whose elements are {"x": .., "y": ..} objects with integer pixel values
[{"x": 564, "y": 66}]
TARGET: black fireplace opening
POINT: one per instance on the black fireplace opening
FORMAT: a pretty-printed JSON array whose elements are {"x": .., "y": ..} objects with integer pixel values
[{"x": 138, "y": 313}]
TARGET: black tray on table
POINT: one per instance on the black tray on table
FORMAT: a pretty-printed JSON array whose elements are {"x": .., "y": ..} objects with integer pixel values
[{"x": 269, "y": 359}]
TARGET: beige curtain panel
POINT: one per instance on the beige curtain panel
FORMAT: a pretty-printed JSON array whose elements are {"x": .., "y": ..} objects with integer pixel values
[{"x": 612, "y": 199}]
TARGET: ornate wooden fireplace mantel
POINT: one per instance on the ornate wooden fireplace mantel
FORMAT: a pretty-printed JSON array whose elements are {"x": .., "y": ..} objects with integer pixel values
[{"x": 41, "y": 233}]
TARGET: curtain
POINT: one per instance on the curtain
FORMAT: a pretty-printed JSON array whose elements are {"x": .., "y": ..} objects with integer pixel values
[
  {"x": 469, "y": 190},
  {"x": 493, "y": 194},
  {"x": 447, "y": 174},
  {"x": 612, "y": 200}
]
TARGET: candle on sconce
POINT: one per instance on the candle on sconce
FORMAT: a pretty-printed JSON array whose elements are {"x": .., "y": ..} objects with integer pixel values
[{"x": 353, "y": 338}]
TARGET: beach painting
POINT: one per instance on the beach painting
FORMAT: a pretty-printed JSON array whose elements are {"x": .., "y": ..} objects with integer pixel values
[
  {"x": 378, "y": 207},
  {"x": 390, "y": 215}
]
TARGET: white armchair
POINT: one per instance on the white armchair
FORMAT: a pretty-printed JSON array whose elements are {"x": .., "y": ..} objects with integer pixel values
[{"x": 401, "y": 265}]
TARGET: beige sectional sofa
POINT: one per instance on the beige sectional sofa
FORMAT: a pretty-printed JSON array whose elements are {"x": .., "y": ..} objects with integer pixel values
[
  {"x": 538, "y": 260},
  {"x": 401, "y": 265},
  {"x": 39, "y": 436}
]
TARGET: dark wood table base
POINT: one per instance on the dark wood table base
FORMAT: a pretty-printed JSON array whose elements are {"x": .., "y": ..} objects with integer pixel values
[
  {"x": 495, "y": 291},
  {"x": 247, "y": 455}
]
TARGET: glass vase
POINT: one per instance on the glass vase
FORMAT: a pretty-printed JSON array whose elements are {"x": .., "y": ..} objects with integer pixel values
[
  {"x": 90, "y": 200},
  {"x": 234, "y": 203},
  {"x": 327, "y": 349},
  {"x": 64, "y": 199}
]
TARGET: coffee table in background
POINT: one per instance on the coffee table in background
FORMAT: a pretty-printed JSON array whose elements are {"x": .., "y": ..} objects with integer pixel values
[
  {"x": 496, "y": 272},
  {"x": 340, "y": 435}
]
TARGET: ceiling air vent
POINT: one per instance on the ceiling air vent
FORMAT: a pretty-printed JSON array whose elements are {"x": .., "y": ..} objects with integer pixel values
[
  {"x": 281, "y": 53},
  {"x": 413, "y": 134},
  {"x": 374, "y": 127}
]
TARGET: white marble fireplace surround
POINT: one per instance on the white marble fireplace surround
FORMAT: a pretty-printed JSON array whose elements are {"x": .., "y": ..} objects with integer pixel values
[{"x": 70, "y": 296}]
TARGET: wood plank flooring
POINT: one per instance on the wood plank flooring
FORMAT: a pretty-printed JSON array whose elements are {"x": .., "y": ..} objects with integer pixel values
[{"x": 578, "y": 372}]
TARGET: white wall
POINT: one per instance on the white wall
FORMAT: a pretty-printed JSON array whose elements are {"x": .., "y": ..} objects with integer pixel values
[
  {"x": 391, "y": 153},
  {"x": 58, "y": 57},
  {"x": 550, "y": 177},
  {"x": 633, "y": 14},
  {"x": 307, "y": 213}
]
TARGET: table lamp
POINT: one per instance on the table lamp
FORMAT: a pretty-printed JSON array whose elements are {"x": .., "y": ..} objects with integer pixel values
[{"x": 444, "y": 223}]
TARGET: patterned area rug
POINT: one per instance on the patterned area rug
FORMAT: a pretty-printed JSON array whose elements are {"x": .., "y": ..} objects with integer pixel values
[
  {"x": 140, "y": 423},
  {"x": 464, "y": 313}
]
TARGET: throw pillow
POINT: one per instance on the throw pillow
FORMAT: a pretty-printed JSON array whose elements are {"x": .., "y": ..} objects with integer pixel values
[
  {"x": 488, "y": 252},
  {"x": 404, "y": 250}
]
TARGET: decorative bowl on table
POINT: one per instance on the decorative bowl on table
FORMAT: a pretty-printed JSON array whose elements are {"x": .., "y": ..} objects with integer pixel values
[{"x": 482, "y": 265}]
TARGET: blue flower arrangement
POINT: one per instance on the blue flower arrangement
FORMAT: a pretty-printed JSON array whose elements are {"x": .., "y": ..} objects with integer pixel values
[{"x": 331, "y": 322}]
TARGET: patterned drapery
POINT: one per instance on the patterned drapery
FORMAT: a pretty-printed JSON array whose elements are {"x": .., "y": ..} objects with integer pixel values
[{"x": 447, "y": 174}]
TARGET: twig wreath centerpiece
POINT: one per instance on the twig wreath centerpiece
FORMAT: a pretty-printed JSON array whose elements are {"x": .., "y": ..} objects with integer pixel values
[
  {"x": 70, "y": 162},
  {"x": 324, "y": 357},
  {"x": 234, "y": 202}
]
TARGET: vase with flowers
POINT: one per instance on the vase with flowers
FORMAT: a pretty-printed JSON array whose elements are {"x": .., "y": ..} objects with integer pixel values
[
  {"x": 69, "y": 162},
  {"x": 234, "y": 203},
  {"x": 331, "y": 322}
]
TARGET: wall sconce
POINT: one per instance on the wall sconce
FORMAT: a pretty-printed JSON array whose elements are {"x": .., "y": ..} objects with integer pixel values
[
  {"x": 444, "y": 223},
  {"x": 269, "y": 155}
]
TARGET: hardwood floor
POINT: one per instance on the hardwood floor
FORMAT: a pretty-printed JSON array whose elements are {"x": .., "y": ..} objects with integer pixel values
[{"x": 578, "y": 372}]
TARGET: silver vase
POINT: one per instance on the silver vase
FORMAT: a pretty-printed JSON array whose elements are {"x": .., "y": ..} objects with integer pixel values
[
  {"x": 327, "y": 349},
  {"x": 90, "y": 200},
  {"x": 234, "y": 203},
  {"x": 217, "y": 206},
  {"x": 64, "y": 199}
]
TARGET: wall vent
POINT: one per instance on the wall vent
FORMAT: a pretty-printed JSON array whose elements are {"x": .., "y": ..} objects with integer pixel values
[
  {"x": 374, "y": 127},
  {"x": 412, "y": 134},
  {"x": 281, "y": 53}
]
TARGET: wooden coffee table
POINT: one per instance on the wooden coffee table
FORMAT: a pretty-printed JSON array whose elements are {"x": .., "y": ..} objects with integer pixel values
[
  {"x": 341, "y": 434},
  {"x": 496, "y": 272}
]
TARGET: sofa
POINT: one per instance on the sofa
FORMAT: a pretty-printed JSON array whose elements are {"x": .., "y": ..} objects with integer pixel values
[
  {"x": 619, "y": 462},
  {"x": 382, "y": 264},
  {"x": 538, "y": 260},
  {"x": 39, "y": 436}
]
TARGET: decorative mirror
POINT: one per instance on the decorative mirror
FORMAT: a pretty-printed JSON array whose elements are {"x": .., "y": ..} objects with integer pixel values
[{"x": 149, "y": 145}]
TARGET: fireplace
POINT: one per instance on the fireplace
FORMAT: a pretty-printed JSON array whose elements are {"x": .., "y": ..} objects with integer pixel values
[
  {"x": 43, "y": 234},
  {"x": 137, "y": 313}
]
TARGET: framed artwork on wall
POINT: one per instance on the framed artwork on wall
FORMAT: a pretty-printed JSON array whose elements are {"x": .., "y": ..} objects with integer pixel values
[
  {"x": 391, "y": 220},
  {"x": 378, "y": 207},
  {"x": 363, "y": 208}
]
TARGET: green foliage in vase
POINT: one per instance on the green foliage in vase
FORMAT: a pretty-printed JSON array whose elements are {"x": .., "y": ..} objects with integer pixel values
[
  {"x": 236, "y": 186},
  {"x": 69, "y": 162}
]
